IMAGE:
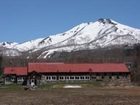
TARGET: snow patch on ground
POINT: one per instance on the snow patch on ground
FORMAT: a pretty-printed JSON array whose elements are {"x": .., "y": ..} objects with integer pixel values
[{"x": 72, "y": 86}]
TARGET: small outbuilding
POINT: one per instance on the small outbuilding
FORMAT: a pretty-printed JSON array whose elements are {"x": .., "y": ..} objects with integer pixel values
[{"x": 15, "y": 74}]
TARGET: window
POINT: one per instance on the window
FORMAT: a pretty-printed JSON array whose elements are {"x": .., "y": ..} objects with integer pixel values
[
  {"x": 46, "y": 77},
  {"x": 87, "y": 77},
  {"x": 93, "y": 77},
  {"x": 61, "y": 78},
  {"x": 82, "y": 77},
  {"x": 67, "y": 77},
  {"x": 53, "y": 77},
  {"x": 118, "y": 77},
  {"x": 103, "y": 77},
  {"x": 72, "y": 77},
  {"x": 49, "y": 78},
  {"x": 77, "y": 77},
  {"x": 110, "y": 77}
]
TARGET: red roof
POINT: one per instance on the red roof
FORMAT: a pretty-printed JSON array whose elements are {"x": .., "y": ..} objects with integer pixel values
[
  {"x": 15, "y": 70},
  {"x": 61, "y": 67}
]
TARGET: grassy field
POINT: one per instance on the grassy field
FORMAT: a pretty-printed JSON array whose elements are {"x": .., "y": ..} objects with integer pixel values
[{"x": 16, "y": 95}]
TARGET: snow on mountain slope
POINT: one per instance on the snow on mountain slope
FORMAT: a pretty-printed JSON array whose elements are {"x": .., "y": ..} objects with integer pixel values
[
  {"x": 26, "y": 46},
  {"x": 8, "y": 44},
  {"x": 51, "y": 40},
  {"x": 102, "y": 33}
]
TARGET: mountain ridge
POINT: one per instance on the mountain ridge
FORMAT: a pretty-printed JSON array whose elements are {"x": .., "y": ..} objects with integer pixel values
[{"x": 91, "y": 35}]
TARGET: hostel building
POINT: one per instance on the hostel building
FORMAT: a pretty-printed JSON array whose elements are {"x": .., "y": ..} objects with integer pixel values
[{"x": 54, "y": 72}]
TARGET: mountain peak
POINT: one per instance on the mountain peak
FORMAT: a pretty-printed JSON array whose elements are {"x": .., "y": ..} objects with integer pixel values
[{"x": 106, "y": 21}]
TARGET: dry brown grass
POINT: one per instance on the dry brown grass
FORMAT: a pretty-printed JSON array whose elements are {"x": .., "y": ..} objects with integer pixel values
[{"x": 83, "y": 96}]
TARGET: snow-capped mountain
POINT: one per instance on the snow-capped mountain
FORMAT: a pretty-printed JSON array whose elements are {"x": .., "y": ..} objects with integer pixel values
[{"x": 99, "y": 34}]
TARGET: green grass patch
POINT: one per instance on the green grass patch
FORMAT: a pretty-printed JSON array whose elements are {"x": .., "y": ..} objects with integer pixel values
[{"x": 11, "y": 87}]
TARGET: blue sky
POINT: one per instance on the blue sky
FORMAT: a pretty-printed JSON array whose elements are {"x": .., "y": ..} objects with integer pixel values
[{"x": 23, "y": 20}]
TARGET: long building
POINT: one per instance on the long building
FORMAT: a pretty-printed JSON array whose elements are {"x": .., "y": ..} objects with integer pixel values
[{"x": 53, "y": 72}]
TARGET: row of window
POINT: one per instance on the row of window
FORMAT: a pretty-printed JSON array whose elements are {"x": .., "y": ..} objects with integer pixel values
[
  {"x": 81, "y": 77},
  {"x": 67, "y": 78}
]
